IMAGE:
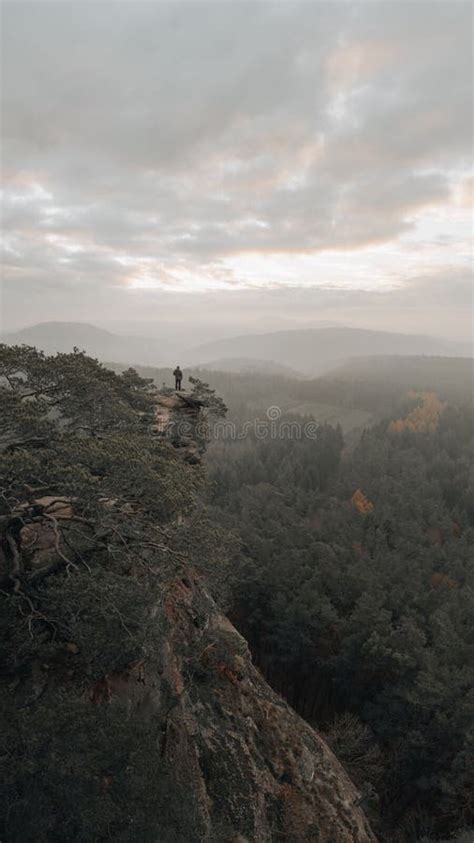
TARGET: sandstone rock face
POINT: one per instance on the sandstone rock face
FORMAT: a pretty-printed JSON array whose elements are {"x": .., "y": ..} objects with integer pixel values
[
  {"x": 253, "y": 770},
  {"x": 176, "y": 417},
  {"x": 256, "y": 770},
  {"x": 185, "y": 744},
  {"x": 210, "y": 753}
]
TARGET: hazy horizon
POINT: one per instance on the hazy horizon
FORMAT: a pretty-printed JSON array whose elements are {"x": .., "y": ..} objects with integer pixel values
[
  {"x": 416, "y": 309},
  {"x": 151, "y": 328}
]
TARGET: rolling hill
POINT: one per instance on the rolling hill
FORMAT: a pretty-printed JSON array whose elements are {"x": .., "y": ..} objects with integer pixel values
[
  {"x": 311, "y": 352},
  {"x": 52, "y": 337},
  {"x": 244, "y": 365},
  {"x": 314, "y": 351},
  {"x": 380, "y": 382}
]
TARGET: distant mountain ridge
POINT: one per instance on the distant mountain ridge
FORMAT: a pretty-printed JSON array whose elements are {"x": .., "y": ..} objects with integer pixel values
[
  {"x": 310, "y": 351},
  {"x": 52, "y": 337},
  {"x": 244, "y": 365},
  {"x": 314, "y": 351}
]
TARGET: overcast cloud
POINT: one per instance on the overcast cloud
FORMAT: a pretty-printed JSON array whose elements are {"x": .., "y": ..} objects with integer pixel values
[{"x": 313, "y": 157}]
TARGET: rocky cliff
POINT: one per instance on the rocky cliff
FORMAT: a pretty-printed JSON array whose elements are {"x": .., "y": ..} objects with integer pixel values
[
  {"x": 238, "y": 763},
  {"x": 178, "y": 739},
  {"x": 254, "y": 769}
]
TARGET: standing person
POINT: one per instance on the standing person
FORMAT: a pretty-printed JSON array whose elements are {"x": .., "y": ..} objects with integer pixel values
[{"x": 178, "y": 377}]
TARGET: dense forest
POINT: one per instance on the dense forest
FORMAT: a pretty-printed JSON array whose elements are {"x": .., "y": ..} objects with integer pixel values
[
  {"x": 355, "y": 589},
  {"x": 351, "y": 394},
  {"x": 354, "y": 582},
  {"x": 344, "y": 562}
]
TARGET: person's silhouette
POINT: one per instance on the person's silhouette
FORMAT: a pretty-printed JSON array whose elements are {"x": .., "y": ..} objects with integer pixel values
[{"x": 178, "y": 377}]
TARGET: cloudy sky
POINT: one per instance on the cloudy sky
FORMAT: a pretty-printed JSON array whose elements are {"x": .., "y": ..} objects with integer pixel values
[{"x": 271, "y": 164}]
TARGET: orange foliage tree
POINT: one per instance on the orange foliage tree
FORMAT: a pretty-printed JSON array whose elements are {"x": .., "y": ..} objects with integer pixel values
[
  {"x": 361, "y": 503},
  {"x": 423, "y": 419}
]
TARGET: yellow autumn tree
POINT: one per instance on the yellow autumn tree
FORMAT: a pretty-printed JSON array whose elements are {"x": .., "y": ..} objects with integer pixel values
[
  {"x": 361, "y": 503},
  {"x": 424, "y": 418}
]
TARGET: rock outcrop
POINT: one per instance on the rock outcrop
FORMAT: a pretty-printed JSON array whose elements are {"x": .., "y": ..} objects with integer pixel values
[
  {"x": 185, "y": 744},
  {"x": 177, "y": 419},
  {"x": 254, "y": 769}
]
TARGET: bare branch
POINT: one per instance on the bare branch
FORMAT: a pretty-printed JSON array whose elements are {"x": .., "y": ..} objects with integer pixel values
[
  {"x": 16, "y": 569},
  {"x": 57, "y": 536}
]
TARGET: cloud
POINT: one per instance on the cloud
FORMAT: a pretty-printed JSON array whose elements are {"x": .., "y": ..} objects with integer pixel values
[{"x": 153, "y": 144}]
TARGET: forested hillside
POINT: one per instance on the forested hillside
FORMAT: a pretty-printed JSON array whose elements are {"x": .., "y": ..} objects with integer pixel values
[
  {"x": 315, "y": 350},
  {"x": 351, "y": 394},
  {"x": 130, "y": 707},
  {"x": 378, "y": 383},
  {"x": 355, "y": 590},
  {"x": 346, "y": 568}
]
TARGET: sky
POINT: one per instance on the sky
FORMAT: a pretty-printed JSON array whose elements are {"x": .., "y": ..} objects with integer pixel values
[{"x": 255, "y": 164}]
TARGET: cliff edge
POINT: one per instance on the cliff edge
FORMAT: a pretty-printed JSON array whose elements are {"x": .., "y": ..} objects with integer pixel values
[{"x": 131, "y": 709}]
